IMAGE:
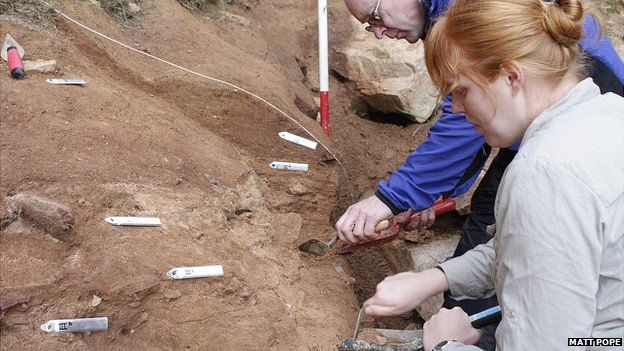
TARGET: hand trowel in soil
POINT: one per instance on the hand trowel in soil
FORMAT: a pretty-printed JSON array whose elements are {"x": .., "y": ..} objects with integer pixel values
[
  {"x": 321, "y": 248},
  {"x": 406, "y": 340}
]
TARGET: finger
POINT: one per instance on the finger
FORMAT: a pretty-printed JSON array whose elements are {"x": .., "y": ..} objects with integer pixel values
[
  {"x": 413, "y": 223},
  {"x": 344, "y": 231},
  {"x": 397, "y": 276},
  {"x": 403, "y": 217},
  {"x": 369, "y": 230},
  {"x": 358, "y": 229},
  {"x": 381, "y": 310},
  {"x": 430, "y": 217}
]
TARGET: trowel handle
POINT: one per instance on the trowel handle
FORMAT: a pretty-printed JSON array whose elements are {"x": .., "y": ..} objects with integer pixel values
[
  {"x": 439, "y": 208},
  {"x": 383, "y": 225},
  {"x": 16, "y": 67}
]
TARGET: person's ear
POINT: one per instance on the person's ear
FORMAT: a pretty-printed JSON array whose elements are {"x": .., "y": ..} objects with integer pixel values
[{"x": 514, "y": 76}]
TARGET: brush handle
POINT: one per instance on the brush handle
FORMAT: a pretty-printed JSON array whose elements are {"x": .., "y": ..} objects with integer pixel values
[{"x": 483, "y": 318}]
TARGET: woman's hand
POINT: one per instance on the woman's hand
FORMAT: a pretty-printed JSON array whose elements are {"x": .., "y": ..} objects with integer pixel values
[
  {"x": 402, "y": 292},
  {"x": 448, "y": 324}
]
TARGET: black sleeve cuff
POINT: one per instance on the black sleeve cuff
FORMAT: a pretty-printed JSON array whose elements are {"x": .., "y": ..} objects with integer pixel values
[{"x": 394, "y": 209}]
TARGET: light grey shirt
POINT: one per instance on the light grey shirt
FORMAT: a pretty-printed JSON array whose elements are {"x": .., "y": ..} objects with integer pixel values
[{"x": 556, "y": 261}]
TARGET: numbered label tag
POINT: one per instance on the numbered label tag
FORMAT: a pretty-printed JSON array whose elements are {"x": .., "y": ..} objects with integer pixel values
[
  {"x": 289, "y": 166},
  {"x": 60, "y": 81},
  {"x": 134, "y": 221},
  {"x": 79, "y": 325},
  {"x": 298, "y": 140},
  {"x": 195, "y": 272}
]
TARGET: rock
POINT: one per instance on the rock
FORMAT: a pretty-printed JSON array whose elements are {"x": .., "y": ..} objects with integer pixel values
[
  {"x": 172, "y": 294},
  {"x": 428, "y": 256},
  {"x": 296, "y": 188},
  {"x": 54, "y": 218},
  {"x": 236, "y": 18},
  {"x": 96, "y": 301},
  {"x": 287, "y": 229},
  {"x": 133, "y": 7},
  {"x": 42, "y": 66},
  {"x": 390, "y": 74},
  {"x": 307, "y": 105}
]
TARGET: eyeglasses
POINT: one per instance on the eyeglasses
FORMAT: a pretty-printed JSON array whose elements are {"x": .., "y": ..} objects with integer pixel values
[{"x": 374, "y": 19}]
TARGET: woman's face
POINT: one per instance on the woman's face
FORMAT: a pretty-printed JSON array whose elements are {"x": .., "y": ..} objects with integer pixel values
[{"x": 496, "y": 115}]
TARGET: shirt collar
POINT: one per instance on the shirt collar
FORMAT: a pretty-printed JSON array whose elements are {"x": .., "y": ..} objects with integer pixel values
[{"x": 583, "y": 91}]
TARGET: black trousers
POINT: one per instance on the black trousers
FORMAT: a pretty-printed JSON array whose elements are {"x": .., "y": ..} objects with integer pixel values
[{"x": 481, "y": 215}]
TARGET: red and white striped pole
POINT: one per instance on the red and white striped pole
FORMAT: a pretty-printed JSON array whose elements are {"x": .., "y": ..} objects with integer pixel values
[{"x": 323, "y": 65}]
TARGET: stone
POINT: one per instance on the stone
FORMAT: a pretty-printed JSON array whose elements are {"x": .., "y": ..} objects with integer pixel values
[
  {"x": 307, "y": 105},
  {"x": 54, "y": 218},
  {"x": 296, "y": 188},
  {"x": 428, "y": 256},
  {"x": 133, "y": 7},
  {"x": 287, "y": 228},
  {"x": 96, "y": 301},
  {"x": 390, "y": 74},
  {"x": 43, "y": 66},
  {"x": 172, "y": 294}
]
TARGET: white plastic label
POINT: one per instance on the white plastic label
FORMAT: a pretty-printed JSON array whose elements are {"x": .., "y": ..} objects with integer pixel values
[
  {"x": 298, "y": 140},
  {"x": 289, "y": 166},
  {"x": 195, "y": 272},
  {"x": 75, "y": 325},
  {"x": 134, "y": 221},
  {"x": 75, "y": 81}
]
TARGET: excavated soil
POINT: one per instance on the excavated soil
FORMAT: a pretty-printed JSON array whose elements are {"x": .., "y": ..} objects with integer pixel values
[{"x": 144, "y": 139}]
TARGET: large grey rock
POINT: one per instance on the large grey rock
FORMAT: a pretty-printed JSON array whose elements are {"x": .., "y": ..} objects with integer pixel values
[
  {"x": 390, "y": 74},
  {"x": 428, "y": 256}
]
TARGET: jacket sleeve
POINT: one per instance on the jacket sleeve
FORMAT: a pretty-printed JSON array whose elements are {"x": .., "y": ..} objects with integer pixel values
[
  {"x": 469, "y": 276},
  {"x": 436, "y": 166},
  {"x": 598, "y": 46}
]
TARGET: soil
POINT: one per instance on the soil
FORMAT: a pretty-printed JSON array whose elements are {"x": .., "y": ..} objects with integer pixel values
[{"x": 144, "y": 139}]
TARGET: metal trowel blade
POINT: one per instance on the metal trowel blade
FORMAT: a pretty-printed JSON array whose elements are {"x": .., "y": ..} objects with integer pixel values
[{"x": 314, "y": 247}]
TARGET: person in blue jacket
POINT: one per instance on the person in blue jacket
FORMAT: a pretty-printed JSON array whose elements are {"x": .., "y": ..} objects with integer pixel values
[{"x": 449, "y": 161}]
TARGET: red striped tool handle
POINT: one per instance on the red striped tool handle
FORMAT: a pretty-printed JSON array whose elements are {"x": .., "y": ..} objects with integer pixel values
[{"x": 439, "y": 208}]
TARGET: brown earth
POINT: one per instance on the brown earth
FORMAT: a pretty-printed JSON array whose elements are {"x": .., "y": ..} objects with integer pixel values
[{"x": 142, "y": 138}]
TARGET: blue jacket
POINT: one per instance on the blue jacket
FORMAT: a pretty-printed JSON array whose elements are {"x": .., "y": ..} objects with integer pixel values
[{"x": 449, "y": 161}]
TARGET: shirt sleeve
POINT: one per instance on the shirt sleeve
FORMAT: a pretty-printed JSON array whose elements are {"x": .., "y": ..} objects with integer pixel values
[
  {"x": 470, "y": 275},
  {"x": 436, "y": 166},
  {"x": 548, "y": 252}
]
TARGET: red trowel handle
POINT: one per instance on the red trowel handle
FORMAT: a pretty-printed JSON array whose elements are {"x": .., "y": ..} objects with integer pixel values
[
  {"x": 16, "y": 67},
  {"x": 439, "y": 208}
]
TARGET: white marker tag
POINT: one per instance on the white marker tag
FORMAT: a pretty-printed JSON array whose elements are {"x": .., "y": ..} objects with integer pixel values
[
  {"x": 289, "y": 166},
  {"x": 75, "y": 81},
  {"x": 195, "y": 272},
  {"x": 134, "y": 221},
  {"x": 79, "y": 325},
  {"x": 298, "y": 140}
]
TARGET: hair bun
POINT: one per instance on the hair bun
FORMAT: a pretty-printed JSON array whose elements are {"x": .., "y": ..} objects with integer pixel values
[{"x": 563, "y": 21}]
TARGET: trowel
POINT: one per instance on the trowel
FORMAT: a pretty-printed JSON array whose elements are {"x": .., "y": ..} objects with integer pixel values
[
  {"x": 321, "y": 248},
  {"x": 407, "y": 340}
]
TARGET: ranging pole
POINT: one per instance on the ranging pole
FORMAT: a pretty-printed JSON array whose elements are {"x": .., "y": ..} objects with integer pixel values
[{"x": 323, "y": 65}]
